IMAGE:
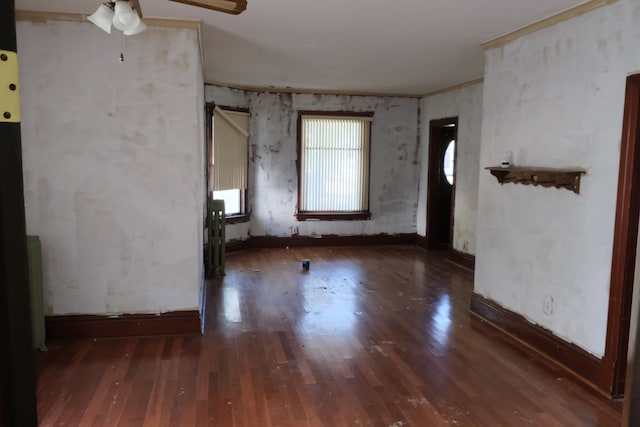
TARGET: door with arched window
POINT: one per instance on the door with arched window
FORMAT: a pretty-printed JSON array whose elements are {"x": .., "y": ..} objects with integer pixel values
[{"x": 441, "y": 182}]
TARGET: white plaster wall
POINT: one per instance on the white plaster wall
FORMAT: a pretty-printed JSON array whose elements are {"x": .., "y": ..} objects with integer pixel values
[
  {"x": 273, "y": 177},
  {"x": 555, "y": 98},
  {"x": 466, "y": 104},
  {"x": 113, "y": 166}
]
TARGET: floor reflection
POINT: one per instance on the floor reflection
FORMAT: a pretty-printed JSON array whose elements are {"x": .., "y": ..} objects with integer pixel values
[
  {"x": 330, "y": 306},
  {"x": 231, "y": 305},
  {"x": 442, "y": 319}
]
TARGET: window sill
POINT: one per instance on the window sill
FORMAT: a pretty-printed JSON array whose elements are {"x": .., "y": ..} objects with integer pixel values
[
  {"x": 236, "y": 219},
  {"x": 333, "y": 216}
]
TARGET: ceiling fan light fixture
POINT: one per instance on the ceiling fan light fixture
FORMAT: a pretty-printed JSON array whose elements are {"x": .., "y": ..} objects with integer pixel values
[
  {"x": 125, "y": 18},
  {"x": 103, "y": 17},
  {"x": 138, "y": 29}
]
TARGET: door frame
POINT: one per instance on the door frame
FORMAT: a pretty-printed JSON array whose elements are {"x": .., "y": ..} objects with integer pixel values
[
  {"x": 18, "y": 404},
  {"x": 431, "y": 179},
  {"x": 624, "y": 243}
]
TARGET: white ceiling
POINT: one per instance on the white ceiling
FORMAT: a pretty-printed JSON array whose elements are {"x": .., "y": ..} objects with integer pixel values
[{"x": 360, "y": 46}]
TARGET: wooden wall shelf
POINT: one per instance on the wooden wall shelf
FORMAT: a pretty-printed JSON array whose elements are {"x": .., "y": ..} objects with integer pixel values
[{"x": 546, "y": 177}]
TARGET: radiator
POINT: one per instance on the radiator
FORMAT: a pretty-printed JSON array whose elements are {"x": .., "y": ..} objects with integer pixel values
[{"x": 216, "y": 238}]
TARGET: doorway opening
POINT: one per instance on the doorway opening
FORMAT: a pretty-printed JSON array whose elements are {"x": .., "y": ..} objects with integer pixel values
[{"x": 441, "y": 186}]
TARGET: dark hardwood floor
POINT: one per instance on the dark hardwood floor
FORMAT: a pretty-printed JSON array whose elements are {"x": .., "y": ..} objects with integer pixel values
[{"x": 378, "y": 336}]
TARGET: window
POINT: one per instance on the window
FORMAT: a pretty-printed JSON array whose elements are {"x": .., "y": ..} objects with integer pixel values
[
  {"x": 333, "y": 165},
  {"x": 448, "y": 162},
  {"x": 228, "y": 159}
]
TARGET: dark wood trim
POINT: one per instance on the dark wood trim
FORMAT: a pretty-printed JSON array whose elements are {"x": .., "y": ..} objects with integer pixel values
[
  {"x": 422, "y": 241},
  {"x": 624, "y": 240},
  {"x": 323, "y": 240},
  {"x": 236, "y": 246},
  {"x": 230, "y": 108},
  {"x": 432, "y": 177},
  {"x": 465, "y": 260},
  {"x": 453, "y": 186},
  {"x": 332, "y": 240},
  {"x": 208, "y": 148},
  {"x": 436, "y": 123},
  {"x": 575, "y": 361},
  {"x": 335, "y": 113},
  {"x": 298, "y": 158},
  {"x": 18, "y": 406},
  {"x": 333, "y": 216},
  {"x": 126, "y": 325},
  {"x": 237, "y": 219}
]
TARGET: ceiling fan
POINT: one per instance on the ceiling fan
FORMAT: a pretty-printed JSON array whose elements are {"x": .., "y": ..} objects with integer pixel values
[
  {"x": 125, "y": 14},
  {"x": 233, "y": 7}
]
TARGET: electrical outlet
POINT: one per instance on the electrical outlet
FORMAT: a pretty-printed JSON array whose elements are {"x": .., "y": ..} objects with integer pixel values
[
  {"x": 547, "y": 305},
  {"x": 294, "y": 230},
  {"x": 465, "y": 247}
]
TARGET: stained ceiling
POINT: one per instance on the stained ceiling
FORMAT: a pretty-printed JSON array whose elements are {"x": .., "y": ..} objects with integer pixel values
[{"x": 409, "y": 47}]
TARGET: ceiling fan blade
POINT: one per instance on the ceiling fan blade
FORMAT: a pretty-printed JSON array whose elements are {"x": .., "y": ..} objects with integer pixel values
[
  {"x": 233, "y": 7},
  {"x": 136, "y": 6}
]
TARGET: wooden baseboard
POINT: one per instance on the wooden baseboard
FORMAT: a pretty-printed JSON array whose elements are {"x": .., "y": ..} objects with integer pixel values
[
  {"x": 465, "y": 260},
  {"x": 324, "y": 240},
  {"x": 422, "y": 241},
  {"x": 126, "y": 325},
  {"x": 236, "y": 245},
  {"x": 575, "y": 361}
]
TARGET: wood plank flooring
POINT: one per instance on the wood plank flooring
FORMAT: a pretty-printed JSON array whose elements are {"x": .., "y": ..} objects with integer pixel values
[{"x": 369, "y": 336}]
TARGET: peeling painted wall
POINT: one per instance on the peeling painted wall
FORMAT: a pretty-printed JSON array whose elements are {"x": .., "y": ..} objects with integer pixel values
[
  {"x": 555, "y": 98},
  {"x": 113, "y": 166},
  {"x": 272, "y": 173},
  {"x": 466, "y": 104}
]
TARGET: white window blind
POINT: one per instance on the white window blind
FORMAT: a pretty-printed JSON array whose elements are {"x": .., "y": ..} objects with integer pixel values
[
  {"x": 230, "y": 149},
  {"x": 334, "y": 163}
]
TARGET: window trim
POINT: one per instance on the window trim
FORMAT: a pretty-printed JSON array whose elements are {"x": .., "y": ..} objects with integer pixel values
[
  {"x": 331, "y": 215},
  {"x": 244, "y": 195}
]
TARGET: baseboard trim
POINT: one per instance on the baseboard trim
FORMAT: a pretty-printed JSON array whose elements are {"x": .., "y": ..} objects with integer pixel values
[
  {"x": 576, "y": 362},
  {"x": 422, "y": 241},
  {"x": 323, "y": 240},
  {"x": 465, "y": 260},
  {"x": 126, "y": 325},
  {"x": 236, "y": 245}
]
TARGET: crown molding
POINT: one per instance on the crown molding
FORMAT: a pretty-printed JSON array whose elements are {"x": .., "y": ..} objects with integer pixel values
[
  {"x": 174, "y": 23},
  {"x": 271, "y": 89},
  {"x": 453, "y": 88},
  {"x": 203, "y": 62},
  {"x": 547, "y": 22},
  {"x": 40, "y": 17}
]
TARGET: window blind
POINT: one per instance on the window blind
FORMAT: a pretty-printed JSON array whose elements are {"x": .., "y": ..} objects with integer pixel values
[
  {"x": 230, "y": 150},
  {"x": 334, "y": 164}
]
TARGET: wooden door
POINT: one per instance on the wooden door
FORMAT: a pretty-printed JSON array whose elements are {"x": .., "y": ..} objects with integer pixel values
[
  {"x": 441, "y": 183},
  {"x": 624, "y": 243},
  {"x": 17, "y": 378}
]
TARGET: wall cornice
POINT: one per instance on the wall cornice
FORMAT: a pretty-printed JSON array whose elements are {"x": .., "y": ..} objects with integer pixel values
[{"x": 547, "y": 22}]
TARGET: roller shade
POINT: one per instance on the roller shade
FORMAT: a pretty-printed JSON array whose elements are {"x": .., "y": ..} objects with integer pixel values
[{"x": 230, "y": 149}]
